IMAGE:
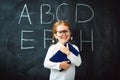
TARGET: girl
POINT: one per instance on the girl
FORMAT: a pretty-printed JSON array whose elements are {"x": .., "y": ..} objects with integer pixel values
[{"x": 62, "y": 33}]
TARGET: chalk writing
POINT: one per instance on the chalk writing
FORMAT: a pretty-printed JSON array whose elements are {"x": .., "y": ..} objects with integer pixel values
[
  {"x": 51, "y": 16},
  {"x": 23, "y": 40},
  {"x": 86, "y": 41},
  {"x": 26, "y": 15}
]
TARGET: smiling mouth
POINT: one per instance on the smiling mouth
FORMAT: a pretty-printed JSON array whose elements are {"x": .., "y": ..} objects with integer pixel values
[{"x": 64, "y": 37}]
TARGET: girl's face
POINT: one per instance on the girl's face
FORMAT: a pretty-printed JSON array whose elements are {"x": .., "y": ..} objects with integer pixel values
[{"x": 63, "y": 33}]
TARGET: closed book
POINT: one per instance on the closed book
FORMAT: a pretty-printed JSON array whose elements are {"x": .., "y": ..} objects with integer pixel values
[{"x": 60, "y": 56}]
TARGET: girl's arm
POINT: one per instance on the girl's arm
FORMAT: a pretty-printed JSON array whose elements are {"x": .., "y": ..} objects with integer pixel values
[
  {"x": 76, "y": 60},
  {"x": 49, "y": 64}
]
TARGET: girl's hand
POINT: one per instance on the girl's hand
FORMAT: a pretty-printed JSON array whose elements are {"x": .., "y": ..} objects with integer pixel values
[
  {"x": 64, "y": 65},
  {"x": 65, "y": 49}
]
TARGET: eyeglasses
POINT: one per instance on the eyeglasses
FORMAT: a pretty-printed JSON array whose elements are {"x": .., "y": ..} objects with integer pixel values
[{"x": 63, "y": 32}]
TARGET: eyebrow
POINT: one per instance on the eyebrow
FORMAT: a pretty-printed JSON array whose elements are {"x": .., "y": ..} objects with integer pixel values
[{"x": 62, "y": 30}]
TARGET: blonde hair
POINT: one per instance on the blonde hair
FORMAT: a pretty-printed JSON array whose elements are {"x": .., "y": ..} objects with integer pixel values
[{"x": 54, "y": 30}]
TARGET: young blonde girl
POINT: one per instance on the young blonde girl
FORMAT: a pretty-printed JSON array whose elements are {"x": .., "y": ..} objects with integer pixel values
[{"x": 62, "y": 33}]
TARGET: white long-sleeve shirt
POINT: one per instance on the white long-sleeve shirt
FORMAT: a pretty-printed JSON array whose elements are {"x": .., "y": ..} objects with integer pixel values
[{"x": 55, "y": 73}]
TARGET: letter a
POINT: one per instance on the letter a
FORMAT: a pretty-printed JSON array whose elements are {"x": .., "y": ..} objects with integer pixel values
[{"x": 24, "y": 15}]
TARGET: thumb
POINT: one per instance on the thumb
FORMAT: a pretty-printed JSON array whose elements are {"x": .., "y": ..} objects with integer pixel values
[{"x": 67, "y": 46}]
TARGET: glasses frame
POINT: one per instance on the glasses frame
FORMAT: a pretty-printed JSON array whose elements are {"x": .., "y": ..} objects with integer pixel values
[{"x": 61, "y": 32}]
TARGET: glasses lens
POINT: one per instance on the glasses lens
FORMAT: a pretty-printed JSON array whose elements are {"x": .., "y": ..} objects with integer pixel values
[{"x": 63, "y": 31}]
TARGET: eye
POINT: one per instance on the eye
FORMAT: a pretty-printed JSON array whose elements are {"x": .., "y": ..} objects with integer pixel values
[
  {"x": 60, "y": 32},
  {"x": 65, "y": 31}
]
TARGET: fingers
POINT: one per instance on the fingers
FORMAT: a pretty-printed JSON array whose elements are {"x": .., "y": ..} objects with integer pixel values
[
  {"x": 65, "y": 49},
  {"x": 64, "y": 65},
  {"x": 67, "y": 46}
]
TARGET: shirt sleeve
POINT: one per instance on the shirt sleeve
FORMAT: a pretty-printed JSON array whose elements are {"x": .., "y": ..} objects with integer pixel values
[
  {"x": 49, "y": 64},
  {"x": 76, "y": 60}
]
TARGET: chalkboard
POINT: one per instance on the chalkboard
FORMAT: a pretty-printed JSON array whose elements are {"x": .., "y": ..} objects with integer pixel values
[{"x": 25, "y": 35}]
